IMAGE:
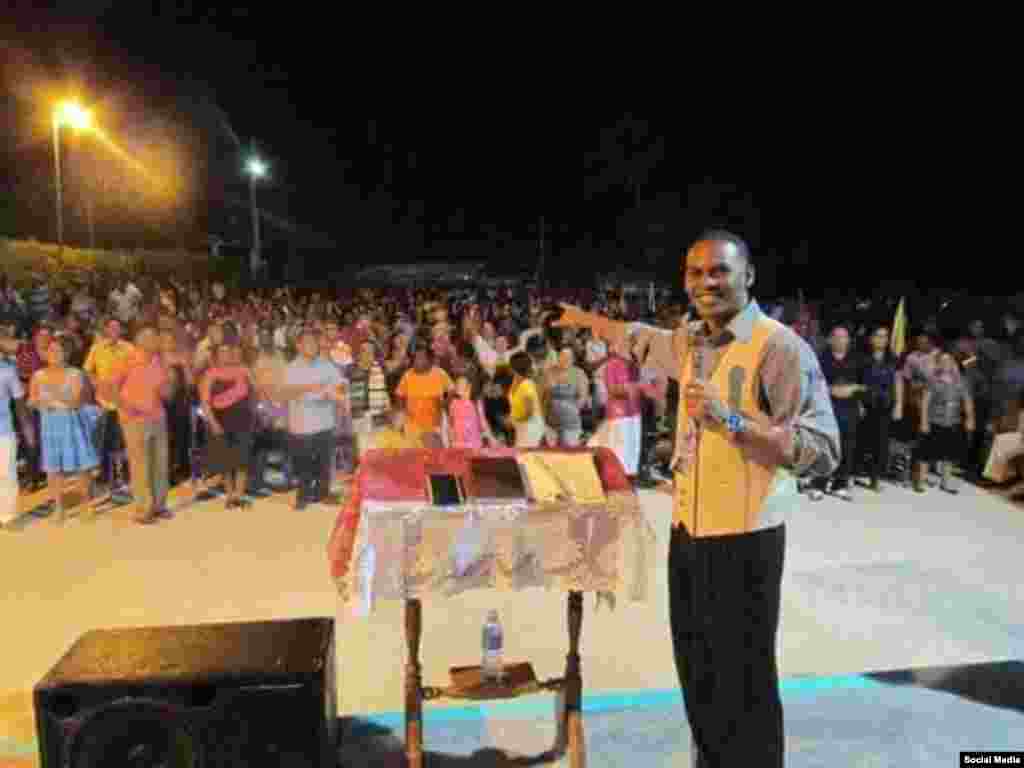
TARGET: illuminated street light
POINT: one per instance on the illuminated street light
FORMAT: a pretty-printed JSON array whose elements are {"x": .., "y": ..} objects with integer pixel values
[
  {"x": 257, "y": 169},
  {"x": 80, "y": 119},
  {"x": 73, "y": 114}
]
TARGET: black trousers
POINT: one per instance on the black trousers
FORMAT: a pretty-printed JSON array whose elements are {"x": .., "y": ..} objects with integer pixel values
[
  {"x": 179, "y": 436},
  {"x": 313, "y": 462},
  {"x": 649, "y": 423},
  {"x": 849, "y": 422},
  {"x": 266, "y": 442},
  {"x": 111, "y": 441},
  {"x": 873, "y": 439},
  {"x": 724, "y": 594},
  {"x": 34, "y": 456},
  {"x": 978, "y": 446}
]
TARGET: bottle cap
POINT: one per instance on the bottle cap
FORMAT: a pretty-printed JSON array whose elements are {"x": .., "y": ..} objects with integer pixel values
[{"x": 492, "y": 615}]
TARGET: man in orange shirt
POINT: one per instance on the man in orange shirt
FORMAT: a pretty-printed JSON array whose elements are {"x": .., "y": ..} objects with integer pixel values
[
  {"x": 142, "y": 387},
  {"x": 104, "y": 362},
  {"x": 421, "y": 394}
]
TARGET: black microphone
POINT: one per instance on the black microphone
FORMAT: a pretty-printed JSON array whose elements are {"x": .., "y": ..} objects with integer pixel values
[
  {"x": 737, "y": 378},
  {"x": 698, "y": 345}
]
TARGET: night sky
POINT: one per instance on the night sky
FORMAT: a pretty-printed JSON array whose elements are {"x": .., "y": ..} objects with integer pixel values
[{"x": 377, "y": 156}]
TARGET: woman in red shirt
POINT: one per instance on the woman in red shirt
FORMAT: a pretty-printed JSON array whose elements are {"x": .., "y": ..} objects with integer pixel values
[{"x": 226, "y": 393}]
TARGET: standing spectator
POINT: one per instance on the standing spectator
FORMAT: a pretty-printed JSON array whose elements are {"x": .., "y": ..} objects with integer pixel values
[
  {"x": 344, "y": 428},
  {"x": 226, "y": 394},
  {"x": 125, "y": 303},
  {"x": 12, "y": 309},
  {"x": 204, "y": 352},
  {"x": 66, "y": 434},
  {"x": 143, "y": 387},
  {"x": 31, "y": 357},
  {"x": 565, "y": 393},
  {"x": 268, "y": 374},
  {"x": 312, "y": 389},
  {"x": 359, "y": 376},
  {"x": 622, "y": 428},
  {"x": 11, "y": 394},
  {"x": 596, "y": 362},
  {"x": 883, "y": 402},
  {"x": 179, "y": 407},
  {"x": 380, "y": 401},
  {"x": 357, "y": 335},
  {"x": 1007, "y": 390},
  {"x": 979, "y": 357},
  {"x": 72, "y": 332},
  {"x": 917, "y": 372},
  {"x": 106, "y": 358},
  {"x": 945, "y": 409},
  {"x": 329, "y": 339},
  {"x": 1011, "y": 326},
  {"x": 526, "y": 415},
  {"x": 469, "y": 427},
  {"x": 843, "y": 375},
  {"x": 421, "y": 394},
  {"x": 397, "y": 362},
  {"x": 496, "y": 406},
  {"x": 39, "y": 306}
]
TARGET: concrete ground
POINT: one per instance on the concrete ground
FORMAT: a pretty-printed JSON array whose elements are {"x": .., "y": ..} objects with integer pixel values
[{"x": 891, "y": 581}]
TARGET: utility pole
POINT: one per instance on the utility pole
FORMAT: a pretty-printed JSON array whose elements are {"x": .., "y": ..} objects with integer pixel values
[
  {"x": 540, "y": 255},
  {"x": 91, "y": 220}
]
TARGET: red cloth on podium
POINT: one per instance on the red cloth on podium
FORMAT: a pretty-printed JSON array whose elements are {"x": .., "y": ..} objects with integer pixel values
[{"x": 401, "y": 476}]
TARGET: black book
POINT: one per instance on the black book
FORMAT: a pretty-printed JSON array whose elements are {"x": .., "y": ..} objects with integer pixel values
[{"x": 445, "y": 490}]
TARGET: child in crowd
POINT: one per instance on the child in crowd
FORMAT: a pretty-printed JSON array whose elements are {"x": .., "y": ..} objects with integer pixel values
[{"x": 467, "y": 421}]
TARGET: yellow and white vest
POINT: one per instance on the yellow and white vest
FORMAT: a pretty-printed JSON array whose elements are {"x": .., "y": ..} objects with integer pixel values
[{"x": 725, "y": 490}]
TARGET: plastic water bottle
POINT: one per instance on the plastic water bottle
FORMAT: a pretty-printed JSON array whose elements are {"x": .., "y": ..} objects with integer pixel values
[{"x": 493, "y": 646}]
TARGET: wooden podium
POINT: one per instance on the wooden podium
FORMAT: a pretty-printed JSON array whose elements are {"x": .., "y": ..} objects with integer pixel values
[{"x": 612, "y": 542}]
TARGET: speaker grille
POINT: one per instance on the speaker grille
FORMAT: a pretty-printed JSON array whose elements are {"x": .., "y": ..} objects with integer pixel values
[{"x": 136, "y": 733}]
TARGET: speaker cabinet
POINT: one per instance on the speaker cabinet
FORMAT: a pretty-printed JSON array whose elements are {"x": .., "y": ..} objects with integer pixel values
[{"x": 203, "y": 696}]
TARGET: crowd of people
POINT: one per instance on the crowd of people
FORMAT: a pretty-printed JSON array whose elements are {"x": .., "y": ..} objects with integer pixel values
[
  {"x": 943, "y": 402},
  {"x": 135, "y": 384},
  {"x": 150, "y": 384}
]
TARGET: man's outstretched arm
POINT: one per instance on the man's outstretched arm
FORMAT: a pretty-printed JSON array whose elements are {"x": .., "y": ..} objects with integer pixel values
[{"x": 664, "y": 350}]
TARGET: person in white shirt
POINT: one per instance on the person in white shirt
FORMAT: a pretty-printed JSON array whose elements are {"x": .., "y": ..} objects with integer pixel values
[{"x": 11, "y": 391}]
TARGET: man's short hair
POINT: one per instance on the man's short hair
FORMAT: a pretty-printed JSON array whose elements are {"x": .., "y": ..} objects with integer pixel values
[{"x": 724, "y": 235}]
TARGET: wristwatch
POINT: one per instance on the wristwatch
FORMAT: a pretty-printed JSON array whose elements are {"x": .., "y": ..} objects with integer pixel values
[{"x": 736, "y": 424}]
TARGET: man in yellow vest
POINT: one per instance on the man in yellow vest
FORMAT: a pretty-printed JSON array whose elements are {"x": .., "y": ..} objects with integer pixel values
[{"x": 755, "y": 413}]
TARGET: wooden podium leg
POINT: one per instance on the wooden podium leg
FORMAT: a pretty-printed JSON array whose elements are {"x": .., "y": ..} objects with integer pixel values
[
  {"x": 572, "y": 722},
  {"x": 413, "y": 686}
]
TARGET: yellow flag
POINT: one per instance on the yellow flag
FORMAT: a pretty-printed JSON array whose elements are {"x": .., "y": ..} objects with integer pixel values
[{"x": 898, "y": 339}]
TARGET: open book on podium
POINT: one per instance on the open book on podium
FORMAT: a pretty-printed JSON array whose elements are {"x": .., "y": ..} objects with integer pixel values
[{"x": 563, "y": 477}]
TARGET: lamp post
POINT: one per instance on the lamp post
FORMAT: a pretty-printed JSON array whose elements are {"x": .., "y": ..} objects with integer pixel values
[
  {"x": 67, "y": 113},
  {"x": 256, "y": 169}
]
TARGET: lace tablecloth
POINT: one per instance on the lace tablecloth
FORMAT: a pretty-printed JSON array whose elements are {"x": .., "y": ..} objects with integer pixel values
[{"x": 387, "y": 547}]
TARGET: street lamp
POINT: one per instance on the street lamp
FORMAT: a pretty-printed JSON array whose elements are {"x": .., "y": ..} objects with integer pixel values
[
  {"x": 80, "y": 119},
  {"x": 257, "y": 169}
]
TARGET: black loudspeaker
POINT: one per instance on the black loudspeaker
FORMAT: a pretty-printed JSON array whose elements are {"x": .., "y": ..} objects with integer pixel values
[{"x": 202, "y": 696}]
